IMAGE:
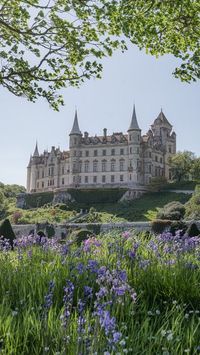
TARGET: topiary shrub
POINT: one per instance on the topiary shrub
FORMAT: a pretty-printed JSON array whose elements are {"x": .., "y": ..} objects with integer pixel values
[
  {"x": 158, "y": 226},
  {"x": 193, "y": 230},
  {"x": 79, "y": 236},
  {"x": 50, "y": 231},
  {"x": 178, "y": 225},
  {"x": 172, "y": 211},
  {"x": 7, "y": 232}
]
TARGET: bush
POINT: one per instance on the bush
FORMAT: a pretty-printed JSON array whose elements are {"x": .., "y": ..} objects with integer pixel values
[
  {"x": 79, "y": 236},
  {"x": 193, "y": 206},
  {"x": 7, "y": 232},
  {"x": 50, "y": 231},
  {"x": 193, "y": 230},
  {"x": 159, "y": 226},
  {"x": 16, "y": 217},
  {"x": 172, "y": 211},
  {"x": 178, "y": 225}
]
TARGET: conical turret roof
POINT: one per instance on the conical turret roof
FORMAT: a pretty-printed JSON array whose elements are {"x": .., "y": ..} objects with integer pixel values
[
  {"x": 134, "y": 123},
  {"x": 162, "y": 119},
  {"x": 36, "y": 152},
  {"x": 75, "y": 128}
]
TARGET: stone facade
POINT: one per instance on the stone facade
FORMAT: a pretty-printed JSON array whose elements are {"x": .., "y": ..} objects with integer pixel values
[{"x": 126, "y": 160}]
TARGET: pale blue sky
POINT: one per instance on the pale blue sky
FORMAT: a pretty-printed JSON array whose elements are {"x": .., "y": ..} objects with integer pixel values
[{"x": 127, "y": 78}]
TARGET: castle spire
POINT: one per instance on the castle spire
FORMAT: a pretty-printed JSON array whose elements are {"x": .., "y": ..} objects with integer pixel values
[
  {"x": 134, "y": 123},
  {"x": 75, "y": 128},
  {"x": 36, "y": 152}
]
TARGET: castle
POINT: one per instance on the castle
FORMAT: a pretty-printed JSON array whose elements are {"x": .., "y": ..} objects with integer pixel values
[{"x": 127, "y": 160}]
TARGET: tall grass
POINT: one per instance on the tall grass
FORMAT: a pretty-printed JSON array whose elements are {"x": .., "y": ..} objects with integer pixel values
[{"x": 121, "y": 294}]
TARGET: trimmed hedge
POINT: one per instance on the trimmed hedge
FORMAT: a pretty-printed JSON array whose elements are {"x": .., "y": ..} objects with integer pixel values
[
  {"x": 38, "y": 199},
  {"x": 160, "y": 225},
  {"x": 80, "y": 235},
  {"x": 96, "y": 196},
  {"x": 7, "y": 232}
]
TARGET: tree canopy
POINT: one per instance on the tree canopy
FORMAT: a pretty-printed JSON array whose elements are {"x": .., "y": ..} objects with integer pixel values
[
  {"x": 47, "y": 45},
  {"x": 184, "y": 165}
]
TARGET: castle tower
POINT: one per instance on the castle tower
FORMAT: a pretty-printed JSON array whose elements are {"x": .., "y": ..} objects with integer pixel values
[
  {"x": 164, "y": 136},
  {"x": 32, "y": 170},
  {"x": 134, "y": 140},
  {"x": 75, "y": 137}
]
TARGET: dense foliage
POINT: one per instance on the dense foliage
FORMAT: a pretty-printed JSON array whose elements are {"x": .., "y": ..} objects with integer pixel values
[
  {"x": 48, "y": 45},
  {"x": 193, "y": 205},
  {"x": 173, "y": 210},
  {"x": 133, "y": 295},
  {"x": 185, "y": 165}
]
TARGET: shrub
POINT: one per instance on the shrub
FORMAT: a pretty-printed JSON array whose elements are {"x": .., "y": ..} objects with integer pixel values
[
  {"x": 193, "y": 230},
  {"x": 159, "y": 226},
  {"x": 172, "y": 211},
  {"x": 193, "y": 206},
  {"x": 7, "y": 232},
  {"x": 79, "y": 236},
  {"x": 178, "y": 225},
  {"x": 16, "y": 217},
  {"x": 50, "y": 231}
]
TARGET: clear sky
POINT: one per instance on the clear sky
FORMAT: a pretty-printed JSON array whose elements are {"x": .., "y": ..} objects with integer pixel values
[{"x": 132, "y": 77}]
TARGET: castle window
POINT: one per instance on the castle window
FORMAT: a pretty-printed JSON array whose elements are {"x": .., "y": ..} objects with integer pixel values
[
  {"x": 49, "y": 171},
  {"x": 112, "y": 165},
  {"x": 121, "y": 178},
  {"x": 63, "y": 181},
  {"x": 161, "y": 160},
  {"x": 86, "y": 166},
  {"x": 42, "y": 173},
  {"x": 121, "y": 151},
  {"x": 86, "y": 179},
  {"x": 38, "y": 174},
  {"x": 149, "y": 154},
  {"x": 42, "y": 184},
  {"x": 74, "y": 179},
  {"x": 170, "y": 149},
  {"x": 138, "y": 150},
  {"x": 131, "y": 150},
  {"x": 95, "y": 179},
  {"x": 121, "y": 165},
  {"x": 80, "y": 167},
  {"x": 112, "y": 178},
  {"x": 104, "y": 152},
  {"x": 149, "y": 169},
  {"x": 138, "y": 137},
  {"x": 75, "y": 140},
  {"x": 95, "y": 153},
  {"x": 75, "y": 153},
  {"x": 112, "y": 151},
  {"x": 103, "y": 178},
  {"x": 104, "y": 165},
  {"x": 95, "y": 165},
  {"x": 79, "y": 179},
  {"x": 37, "y": 185},
  {"x": 87, "y": 153},
  {"x": 156, "y": 158},
  {"x": 80, "y": 153}
]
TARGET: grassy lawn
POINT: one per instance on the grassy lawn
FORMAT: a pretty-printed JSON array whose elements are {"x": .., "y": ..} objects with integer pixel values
[{"x": 140, "y": 209}]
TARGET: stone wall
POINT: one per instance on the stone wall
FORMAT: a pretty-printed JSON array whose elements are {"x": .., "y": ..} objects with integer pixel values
[{"x": 62, "y": 230}]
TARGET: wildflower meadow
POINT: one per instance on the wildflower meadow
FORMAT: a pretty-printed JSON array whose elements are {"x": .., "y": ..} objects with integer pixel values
[{"x": 118, "y": 293}]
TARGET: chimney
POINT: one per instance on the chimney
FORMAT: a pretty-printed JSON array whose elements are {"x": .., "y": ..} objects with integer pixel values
[
  {"x": 85, "y": 134},
  {"x": 105, "y": 132}
]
